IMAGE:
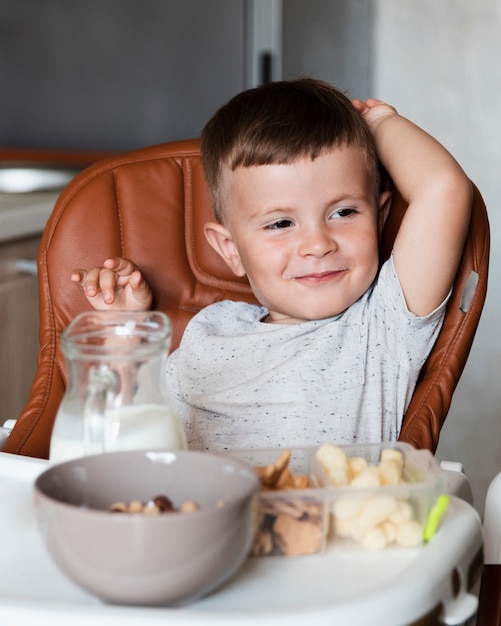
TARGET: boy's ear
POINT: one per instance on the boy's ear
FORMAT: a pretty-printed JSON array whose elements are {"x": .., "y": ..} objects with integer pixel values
[
  {"x": 220, "y": 238},
  {"x": 383, "y": 209}
]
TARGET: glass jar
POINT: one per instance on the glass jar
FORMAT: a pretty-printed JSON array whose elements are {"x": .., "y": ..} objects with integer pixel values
[{"x": 114, "y": 397}]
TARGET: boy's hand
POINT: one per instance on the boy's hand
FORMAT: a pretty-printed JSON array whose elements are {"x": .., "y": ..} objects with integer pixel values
[
  {"x": 373, "y": 111},
  {"x": 117, "y": 285}
]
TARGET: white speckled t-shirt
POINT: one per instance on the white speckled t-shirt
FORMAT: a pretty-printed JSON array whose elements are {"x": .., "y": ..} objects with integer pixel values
[{"x": 241, "y": 383}]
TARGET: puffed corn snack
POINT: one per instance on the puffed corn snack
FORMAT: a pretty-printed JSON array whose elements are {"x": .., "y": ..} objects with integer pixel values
[{"x": 380, "y": 519}]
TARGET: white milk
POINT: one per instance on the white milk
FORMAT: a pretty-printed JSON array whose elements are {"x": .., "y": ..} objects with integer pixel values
[{"x": 142, "y": 427}]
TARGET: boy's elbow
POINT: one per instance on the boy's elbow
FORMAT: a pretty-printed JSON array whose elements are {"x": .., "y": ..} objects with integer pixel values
[
  {"x": 464, "y": 188},
  {"x": 457, "y": 191}
]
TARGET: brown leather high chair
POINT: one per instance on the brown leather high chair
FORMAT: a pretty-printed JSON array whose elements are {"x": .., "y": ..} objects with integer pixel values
[{"x": 150, "y": 205}]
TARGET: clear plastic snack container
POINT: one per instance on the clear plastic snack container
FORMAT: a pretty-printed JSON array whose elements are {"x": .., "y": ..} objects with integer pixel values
[
  {"x": 388, "y": 493},
  {"x": 393, "y": 493},
  {"x": 292, "y": 521}
]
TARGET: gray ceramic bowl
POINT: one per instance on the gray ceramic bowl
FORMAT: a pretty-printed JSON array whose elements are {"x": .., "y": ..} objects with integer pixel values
[{"x": 169, "y": 558}]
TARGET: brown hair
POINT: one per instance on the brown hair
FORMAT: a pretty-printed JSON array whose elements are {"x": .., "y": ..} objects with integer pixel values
[{"x": 280, "y": 122}]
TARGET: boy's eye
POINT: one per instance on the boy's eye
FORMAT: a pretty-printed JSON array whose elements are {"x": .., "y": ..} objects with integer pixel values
[
  {"x": 344, "y": 212},
  {"x": 279, "y": 224}
]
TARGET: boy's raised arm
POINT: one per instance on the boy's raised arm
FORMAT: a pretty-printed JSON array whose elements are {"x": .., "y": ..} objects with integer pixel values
[{"x": 430, "y": 241}]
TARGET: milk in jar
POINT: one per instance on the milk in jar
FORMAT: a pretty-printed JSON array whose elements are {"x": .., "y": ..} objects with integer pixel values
[{"x": 115, "y": 399}]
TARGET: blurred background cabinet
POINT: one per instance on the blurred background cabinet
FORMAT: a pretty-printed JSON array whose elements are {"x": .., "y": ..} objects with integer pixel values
[{"x": 18, "y": 325}]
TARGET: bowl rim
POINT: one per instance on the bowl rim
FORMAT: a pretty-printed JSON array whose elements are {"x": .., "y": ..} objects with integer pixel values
[{"x": 253, "y": 487}]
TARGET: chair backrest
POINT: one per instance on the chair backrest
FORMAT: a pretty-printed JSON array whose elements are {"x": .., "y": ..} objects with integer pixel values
[{"x": 149, "y": 205}]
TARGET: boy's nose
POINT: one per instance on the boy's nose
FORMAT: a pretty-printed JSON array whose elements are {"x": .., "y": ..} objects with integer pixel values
[{"x": 317, "y": 242}]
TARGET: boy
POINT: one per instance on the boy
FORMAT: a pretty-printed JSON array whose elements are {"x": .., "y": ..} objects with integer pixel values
[{"x": 334, "y": 350}]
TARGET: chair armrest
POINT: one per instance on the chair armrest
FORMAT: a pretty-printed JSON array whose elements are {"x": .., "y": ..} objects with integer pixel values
[
  {"x": 5, "y": 431},
  {"x": 457, "y": 481}
]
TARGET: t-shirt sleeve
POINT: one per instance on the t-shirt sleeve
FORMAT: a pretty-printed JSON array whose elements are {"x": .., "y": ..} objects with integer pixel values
[{"x": 409, "y": 338}]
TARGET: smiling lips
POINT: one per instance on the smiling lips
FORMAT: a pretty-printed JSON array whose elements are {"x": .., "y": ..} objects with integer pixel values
[{"x": 317, "y": 277}]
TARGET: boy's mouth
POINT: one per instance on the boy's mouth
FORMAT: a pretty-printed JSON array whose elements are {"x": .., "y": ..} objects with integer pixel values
[{"x": 317, "y": 277}]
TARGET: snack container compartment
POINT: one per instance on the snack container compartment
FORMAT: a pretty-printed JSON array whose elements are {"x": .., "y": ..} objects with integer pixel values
[
  {"x": 390, "y": 515},
  {"x": 292, "y": 521},
  {"x": 369, "y": 516}
]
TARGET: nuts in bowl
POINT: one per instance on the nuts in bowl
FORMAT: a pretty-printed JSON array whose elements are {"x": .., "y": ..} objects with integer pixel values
[{"x": 139, "y": 556}]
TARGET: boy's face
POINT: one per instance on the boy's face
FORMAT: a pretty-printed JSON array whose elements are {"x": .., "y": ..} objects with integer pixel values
[{"x": 306, "y": 234}]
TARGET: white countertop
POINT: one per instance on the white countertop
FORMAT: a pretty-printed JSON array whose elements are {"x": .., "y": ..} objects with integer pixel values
[{"x": 24, "y": 214}]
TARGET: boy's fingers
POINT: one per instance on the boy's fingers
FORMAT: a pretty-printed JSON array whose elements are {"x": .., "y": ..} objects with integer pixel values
[
  {"x": 137, "y": 281},
  {"x": 111, "y": 282},
  {"x": 107, "y": 284},
  {"x": 372, "y": 102},
  {"x": 77, "y": 276},
  {"x": 120, "y": 265},
  {"x": 359, "y": 105},
  {"x": 96, "y": 280}
]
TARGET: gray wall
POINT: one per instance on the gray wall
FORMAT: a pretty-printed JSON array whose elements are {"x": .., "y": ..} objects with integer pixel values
[
  {"x": 330, "y": 40},
  {"x": 115, "y": 74}
]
